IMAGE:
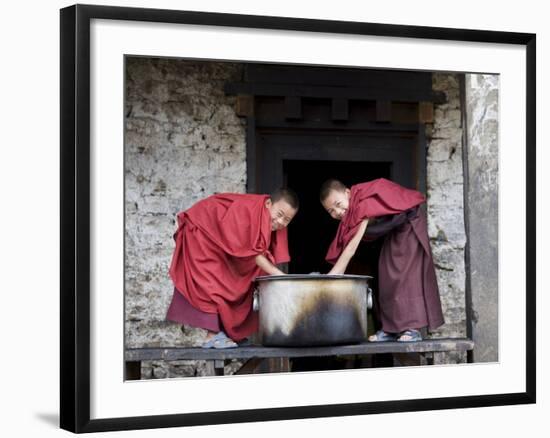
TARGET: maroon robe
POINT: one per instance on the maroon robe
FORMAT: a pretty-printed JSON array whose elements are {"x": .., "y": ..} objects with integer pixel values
[
  {"x": 214, "y": 266},
  {"x": 408, "y": 295}
]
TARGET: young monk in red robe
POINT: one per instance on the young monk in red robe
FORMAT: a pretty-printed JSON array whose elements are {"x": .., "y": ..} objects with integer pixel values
[
  {"x": 222, "y": 244},
  {"x": 408, "y": 296}
]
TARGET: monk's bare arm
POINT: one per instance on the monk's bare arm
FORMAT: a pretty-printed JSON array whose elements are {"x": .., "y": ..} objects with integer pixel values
[
  {"x": 349, "y": 251},
  {"x": 267, "y": 266}
]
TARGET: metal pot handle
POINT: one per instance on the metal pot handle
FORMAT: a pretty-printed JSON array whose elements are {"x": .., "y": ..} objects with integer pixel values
[
  {"x": 369, "y": 298},
  {"x": 256, "y": 300}
]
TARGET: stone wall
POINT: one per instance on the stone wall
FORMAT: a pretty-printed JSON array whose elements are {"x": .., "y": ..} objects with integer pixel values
[
  {"x": 481, "y": 102},
  {"x": 445, "y": 190},
  {"x": 183, "y": 142}
]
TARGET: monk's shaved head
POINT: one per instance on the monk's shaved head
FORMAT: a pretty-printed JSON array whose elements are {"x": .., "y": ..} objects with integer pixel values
[
  {"x": 330, "y": 185},
  {"x": 287, "y": 195}
]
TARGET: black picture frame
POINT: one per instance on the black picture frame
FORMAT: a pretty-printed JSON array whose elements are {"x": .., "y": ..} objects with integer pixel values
[{"x": 75, "y": 217}]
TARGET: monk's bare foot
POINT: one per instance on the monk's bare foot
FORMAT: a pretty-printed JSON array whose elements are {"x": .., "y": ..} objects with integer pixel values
[
  {"x": 209, "y": 335},
  {"x": 382, "y": 336},
  {"x": 410, "y": 335}
]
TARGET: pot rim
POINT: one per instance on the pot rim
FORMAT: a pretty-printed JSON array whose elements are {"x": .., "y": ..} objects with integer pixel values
[{"x": 312, "y": 277}]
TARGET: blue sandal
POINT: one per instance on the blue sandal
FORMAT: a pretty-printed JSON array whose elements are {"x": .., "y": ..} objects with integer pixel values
[
  {"x": 413, "y": 334},
  {"x": 219, "y": 341},
  {"x": 382, "y": 336}
]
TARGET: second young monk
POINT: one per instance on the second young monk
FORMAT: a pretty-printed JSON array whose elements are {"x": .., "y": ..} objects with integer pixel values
[{"x": 408, "y": 296}]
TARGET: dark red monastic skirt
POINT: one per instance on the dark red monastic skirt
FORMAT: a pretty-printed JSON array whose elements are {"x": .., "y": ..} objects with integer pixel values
[
  {"x": 408, "y": 293},
  {"x": 182, "y": 311}
]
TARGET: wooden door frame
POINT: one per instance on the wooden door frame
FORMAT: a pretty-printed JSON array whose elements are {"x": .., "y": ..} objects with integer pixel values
[{"x": 265, "y": 158}]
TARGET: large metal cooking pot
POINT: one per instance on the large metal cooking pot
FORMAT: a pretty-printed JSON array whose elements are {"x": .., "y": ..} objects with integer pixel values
[{"x": 309, "y": 310}]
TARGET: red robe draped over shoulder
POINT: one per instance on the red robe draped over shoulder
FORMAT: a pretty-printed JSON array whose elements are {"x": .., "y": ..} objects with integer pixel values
[
  {"x": 213, "y": 265},
  {"x": 408, "y": 295}
]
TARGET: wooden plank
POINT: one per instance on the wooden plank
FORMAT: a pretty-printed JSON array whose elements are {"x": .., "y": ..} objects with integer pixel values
[
  {"x": 214, "y": 367},
  {"x": 383, "y": 111},
  {"x": 406, "y": 359},
  {"x": 340, "y": 109},
  {"x": 251, "y": 366},
  {"x": 278, "y": 365},
  {"x": 432, "y": 345},
  {"x": 293, "y": 107},
  {"x": 244, "y": 106},
  {"x": 332, "y": 124},
  {"x": 421, "y": 159},
  {"x": 210, "y": 370},
  {"x": 428, "y": 358},
  {"x": 285, "y": 365},
  {"x": 339, "y": 76},
  {"x": 328, "y": 92},
  {"x": 381, "y": 81},
  {"x": 425, "y": 112},
  {"x": 252, "y": 156}
]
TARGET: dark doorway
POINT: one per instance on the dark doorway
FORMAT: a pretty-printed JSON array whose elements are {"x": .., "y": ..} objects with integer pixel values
[{"x": 312, "y": 230}]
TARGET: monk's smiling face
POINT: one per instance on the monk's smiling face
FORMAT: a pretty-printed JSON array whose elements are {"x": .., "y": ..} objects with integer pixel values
[
  {"x": 281, "y": 213},
  {"x": 337, "y": 203}
]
